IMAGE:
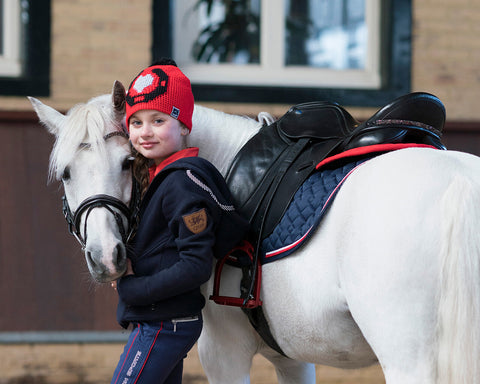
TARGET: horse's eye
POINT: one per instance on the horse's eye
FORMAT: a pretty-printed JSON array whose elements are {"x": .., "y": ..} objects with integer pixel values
[
  {"x": 127, "y": 163},
  {"x": 66, "y": 174}
]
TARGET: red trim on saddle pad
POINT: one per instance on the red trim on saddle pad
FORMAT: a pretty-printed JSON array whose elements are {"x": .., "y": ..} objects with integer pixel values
[
  {"x": 289, "y": 247},
  {"x": 371, "y": 149}
]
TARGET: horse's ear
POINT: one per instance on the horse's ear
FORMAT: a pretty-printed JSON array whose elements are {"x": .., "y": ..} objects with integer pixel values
[
  {"x": 51, "y": 118},
  {"x": 118, "y": 97}
]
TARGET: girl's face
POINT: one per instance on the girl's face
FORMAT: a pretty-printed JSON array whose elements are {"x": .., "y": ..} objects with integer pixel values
[{"x": 156, "y": 135}]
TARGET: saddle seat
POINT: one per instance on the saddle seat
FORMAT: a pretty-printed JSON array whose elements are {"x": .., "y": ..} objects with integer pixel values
[{"x": 319, "y": 120}]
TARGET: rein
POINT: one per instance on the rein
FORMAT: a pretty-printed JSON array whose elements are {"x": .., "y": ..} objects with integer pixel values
[{"x": 108, "y": 202}]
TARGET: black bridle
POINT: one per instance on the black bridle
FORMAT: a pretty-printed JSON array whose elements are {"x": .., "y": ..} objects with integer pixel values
[{"x": 108, "y": 202}]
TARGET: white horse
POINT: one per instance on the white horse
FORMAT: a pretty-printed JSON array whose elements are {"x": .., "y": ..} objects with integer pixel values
[{"x": 391, "y": 275}]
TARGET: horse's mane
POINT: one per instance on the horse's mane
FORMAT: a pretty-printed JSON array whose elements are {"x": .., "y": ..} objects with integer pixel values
[{"x": 83, "y": 128}]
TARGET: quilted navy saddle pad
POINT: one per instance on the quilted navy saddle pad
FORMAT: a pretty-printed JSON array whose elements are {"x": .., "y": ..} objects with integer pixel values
[{"x": 305, "y": 212}]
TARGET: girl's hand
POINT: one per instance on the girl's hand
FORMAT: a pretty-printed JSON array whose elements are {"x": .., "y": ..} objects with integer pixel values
[{"x": 129, "y": 270}]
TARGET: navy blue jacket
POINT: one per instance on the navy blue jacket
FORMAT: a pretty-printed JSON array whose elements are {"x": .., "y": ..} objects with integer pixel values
[{"x": 186, "y": 219}]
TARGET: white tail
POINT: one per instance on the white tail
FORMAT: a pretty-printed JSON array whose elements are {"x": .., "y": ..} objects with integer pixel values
[{"x": 458, "y": 329}]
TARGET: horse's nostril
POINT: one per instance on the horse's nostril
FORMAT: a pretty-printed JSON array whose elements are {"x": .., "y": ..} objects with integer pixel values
[
  {"x": 94, "y": 266},
  {"x": 119, "y": 258},
  {"x": 89, "y": 258}
]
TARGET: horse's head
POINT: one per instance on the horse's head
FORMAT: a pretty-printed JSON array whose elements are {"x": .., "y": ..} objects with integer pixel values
[{"x": 92, "y": 157}]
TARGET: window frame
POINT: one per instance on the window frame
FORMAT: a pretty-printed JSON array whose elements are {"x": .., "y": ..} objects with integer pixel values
[
  {"x": 34, "y": 79},
  {"x": 272, "y": 70},
  {"x": 395, "y": 67}
]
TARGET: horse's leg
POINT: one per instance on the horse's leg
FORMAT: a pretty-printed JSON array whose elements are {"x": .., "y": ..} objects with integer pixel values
[
  {"x": 226, "y": 350},
  {"x": 290, "y": 371},
  {"x": 228, "y": 342}
]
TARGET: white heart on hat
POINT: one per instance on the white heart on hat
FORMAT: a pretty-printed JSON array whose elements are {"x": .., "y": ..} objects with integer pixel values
[{"x": 143, "y": 82}]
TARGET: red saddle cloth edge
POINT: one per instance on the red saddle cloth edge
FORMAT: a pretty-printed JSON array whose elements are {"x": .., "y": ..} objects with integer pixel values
[{"x": 371, "y": 149}]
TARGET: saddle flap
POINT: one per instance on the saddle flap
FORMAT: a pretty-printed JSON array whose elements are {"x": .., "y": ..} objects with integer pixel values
[{"x": 317, "y": 120}]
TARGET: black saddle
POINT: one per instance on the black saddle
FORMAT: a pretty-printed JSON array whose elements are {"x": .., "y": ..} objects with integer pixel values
[{"x": 268, "y": 170}]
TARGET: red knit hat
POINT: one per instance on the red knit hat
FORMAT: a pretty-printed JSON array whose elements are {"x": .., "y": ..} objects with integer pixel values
[{"x": 163, "y": 88}]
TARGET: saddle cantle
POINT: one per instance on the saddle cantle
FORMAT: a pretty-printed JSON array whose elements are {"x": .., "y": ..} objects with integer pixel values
[
  {"x": 268, "y": 170},
  {"x": 414, "y": 118}
]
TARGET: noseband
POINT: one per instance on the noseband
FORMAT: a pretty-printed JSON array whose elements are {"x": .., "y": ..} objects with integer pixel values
[{"x": 110, "y": 203}]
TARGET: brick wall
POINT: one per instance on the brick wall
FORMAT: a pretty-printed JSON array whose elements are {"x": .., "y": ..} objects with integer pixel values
[
  {"x": 95, "y": 42},
  {"x": 446, "y": 54}
]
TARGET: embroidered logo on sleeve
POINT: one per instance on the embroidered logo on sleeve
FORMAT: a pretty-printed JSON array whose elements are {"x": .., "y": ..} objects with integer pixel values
[{"x": 196, "y": 222}]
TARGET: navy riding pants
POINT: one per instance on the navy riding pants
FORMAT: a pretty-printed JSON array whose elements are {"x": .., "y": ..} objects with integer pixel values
[{"x": 155, "y": 351}]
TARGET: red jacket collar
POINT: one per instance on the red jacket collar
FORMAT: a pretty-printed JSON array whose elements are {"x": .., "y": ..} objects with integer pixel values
[{"x": 187, "y": 152}]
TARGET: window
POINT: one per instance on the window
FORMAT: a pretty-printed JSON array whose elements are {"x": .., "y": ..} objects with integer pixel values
[
  {"x": 10, "y": 19},
  {"x": 355, "y": 52},
  {"x": 24, "y": 47},
  {"x": 261, "y": 43}
]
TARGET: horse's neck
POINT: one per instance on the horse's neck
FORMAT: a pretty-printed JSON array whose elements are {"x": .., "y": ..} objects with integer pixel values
[{"x": 220, "y": 136}]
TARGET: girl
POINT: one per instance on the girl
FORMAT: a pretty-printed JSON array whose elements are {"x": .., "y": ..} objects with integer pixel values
[{"x": 185, "y": 219}]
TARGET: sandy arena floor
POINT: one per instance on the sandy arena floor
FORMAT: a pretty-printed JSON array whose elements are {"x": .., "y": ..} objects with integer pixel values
[{"x": 94, "y": 364}]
